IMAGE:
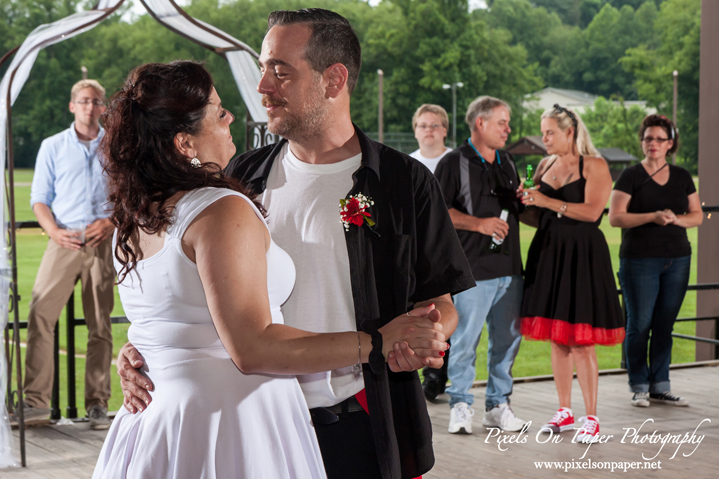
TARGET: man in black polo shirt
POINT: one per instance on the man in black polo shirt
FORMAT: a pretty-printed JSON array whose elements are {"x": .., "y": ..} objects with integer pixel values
[
  {"x": 479, "y": 181},
  {"x": 349, "y": 276}
]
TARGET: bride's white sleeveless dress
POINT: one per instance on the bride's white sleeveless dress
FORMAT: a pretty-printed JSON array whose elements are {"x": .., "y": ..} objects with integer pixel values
[{"x": 206, "y": 418}]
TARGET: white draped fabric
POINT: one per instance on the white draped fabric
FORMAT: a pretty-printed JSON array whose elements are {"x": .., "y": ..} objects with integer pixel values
[{"x": 242, "y": 64}]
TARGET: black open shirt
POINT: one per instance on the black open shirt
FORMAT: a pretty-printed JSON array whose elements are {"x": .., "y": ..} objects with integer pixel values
[{"x": 412, "y": 254}]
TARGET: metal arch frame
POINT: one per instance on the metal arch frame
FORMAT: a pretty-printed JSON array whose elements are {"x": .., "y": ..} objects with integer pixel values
[{"x": 10, "y": 188}]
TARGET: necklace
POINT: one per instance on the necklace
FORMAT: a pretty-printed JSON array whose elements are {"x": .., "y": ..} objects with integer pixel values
[{"x": 554, "y": 177}]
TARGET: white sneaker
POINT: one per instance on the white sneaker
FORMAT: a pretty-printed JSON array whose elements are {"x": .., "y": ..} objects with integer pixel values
[
  {"x": 503, "y": 417},
  {"x": 589, "y": 432},
  {"x": 460, "y": 419},
  {"x": 640, "y": 399}
]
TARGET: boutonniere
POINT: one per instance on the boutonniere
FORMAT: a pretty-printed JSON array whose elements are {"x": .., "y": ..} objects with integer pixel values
[{"x": 353, "y": 211}]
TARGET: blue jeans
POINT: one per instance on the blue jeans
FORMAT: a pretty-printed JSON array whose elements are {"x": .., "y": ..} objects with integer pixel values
[
  {"x": 654, "y": 290},
  {"x": 496, "y": 302}
]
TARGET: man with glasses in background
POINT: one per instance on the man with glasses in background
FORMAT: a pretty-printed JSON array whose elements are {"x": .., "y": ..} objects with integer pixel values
[
  {"x": 430, "y": 124},
  {"x": 69, "y": 199},
  {"x": 479, "y": 183}
]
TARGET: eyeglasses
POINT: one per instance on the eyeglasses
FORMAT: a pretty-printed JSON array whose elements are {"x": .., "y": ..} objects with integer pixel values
[
  {"x": 424, "y": 126},
  {"x": 650, "y": 139},
  {"x": 88, "y": 102}
]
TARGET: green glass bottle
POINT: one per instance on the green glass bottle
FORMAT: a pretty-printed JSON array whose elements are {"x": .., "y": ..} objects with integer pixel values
[{"x": 529, "y": 182}]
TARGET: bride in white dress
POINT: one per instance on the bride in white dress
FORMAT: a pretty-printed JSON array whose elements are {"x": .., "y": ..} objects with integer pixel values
[{"x": 202, "y": 283}]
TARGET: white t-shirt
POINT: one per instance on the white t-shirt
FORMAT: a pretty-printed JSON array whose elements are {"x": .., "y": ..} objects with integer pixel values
[
  {"x": 430, "y": 163},
  {"x": 303, "y": 204}
]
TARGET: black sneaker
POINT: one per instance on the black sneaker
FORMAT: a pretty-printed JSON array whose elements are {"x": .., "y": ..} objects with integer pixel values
[
  {"x": 433, "y": 386},
  {"x": 669, "y": 398}
]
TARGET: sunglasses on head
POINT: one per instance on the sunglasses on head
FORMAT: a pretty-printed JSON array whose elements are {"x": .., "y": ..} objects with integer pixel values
[{"x": 571, "y": 116}]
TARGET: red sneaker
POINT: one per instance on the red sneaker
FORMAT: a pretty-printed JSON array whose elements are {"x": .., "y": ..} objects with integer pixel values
[
  {"x": 589, "y": 432},
  {"x": 562, "y": 421}
]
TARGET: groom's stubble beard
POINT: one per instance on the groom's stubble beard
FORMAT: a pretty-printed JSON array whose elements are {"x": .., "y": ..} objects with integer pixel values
[{"x": 306, "y": 123}]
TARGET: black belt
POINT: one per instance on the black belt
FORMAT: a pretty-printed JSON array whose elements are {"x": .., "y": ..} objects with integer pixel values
[{"x": 330, "y": 415}]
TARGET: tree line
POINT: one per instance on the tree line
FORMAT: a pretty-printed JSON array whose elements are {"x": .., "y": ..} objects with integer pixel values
[{"x": 621, "y": 50}]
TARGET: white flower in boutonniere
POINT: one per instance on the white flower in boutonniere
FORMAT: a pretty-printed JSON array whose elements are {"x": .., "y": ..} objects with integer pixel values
[{"x": 353, "y": 211}]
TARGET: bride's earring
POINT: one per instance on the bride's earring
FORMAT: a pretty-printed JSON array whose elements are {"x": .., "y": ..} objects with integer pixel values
[{"x": 195, "y": 163}]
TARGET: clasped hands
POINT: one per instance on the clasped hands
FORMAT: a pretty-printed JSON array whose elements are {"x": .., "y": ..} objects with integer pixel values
[
  {"x": 414, "y": 340},
  {"x": 98, "y": 231},
  {"x": 95, "y": 233},
  {"x": 409, "y": 342},
  {"x": 665, "y": 217}
]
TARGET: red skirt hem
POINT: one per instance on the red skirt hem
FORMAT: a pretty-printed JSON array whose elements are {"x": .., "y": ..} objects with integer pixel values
[{"x": 562, "y": 332}]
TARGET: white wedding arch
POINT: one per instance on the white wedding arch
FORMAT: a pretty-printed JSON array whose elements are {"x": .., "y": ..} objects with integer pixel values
[{"x": 243, "y": 64}]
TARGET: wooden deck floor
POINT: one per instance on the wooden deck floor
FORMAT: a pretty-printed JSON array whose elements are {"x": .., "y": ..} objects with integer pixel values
[
  {"x": 478, "y": 456},
  {"x": 71, "y": 451}
]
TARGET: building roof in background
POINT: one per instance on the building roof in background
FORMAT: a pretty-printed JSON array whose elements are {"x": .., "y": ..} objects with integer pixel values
[
  {"x": 577, "y": 95},
  {"x": 617, "y": 155},
  {"x": 574, "y": 99},
  {"x": 532, "y": 145},
  {"x": 528, "y": 145}
]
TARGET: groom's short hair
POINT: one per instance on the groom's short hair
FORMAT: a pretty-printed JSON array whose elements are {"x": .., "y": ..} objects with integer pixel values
[{"x": 333, "y": 40}]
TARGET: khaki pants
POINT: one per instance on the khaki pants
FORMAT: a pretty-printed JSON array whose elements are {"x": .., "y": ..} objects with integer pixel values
[{"x": 60, "y": 270}]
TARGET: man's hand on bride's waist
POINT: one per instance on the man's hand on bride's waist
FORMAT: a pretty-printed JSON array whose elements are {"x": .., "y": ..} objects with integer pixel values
[{"x": 135, "y": 386}]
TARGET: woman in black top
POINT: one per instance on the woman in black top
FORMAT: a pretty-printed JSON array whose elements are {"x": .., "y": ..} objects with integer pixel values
[{"x": 654, "y": 203}]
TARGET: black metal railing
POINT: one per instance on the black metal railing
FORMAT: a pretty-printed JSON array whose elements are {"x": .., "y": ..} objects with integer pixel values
[
  {"x": 257, "y": 135},
  {"x": 70, "y": 322}
]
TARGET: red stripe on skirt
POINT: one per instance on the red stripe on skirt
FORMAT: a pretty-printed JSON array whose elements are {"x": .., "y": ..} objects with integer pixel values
[{"x": 562, "y": 332}]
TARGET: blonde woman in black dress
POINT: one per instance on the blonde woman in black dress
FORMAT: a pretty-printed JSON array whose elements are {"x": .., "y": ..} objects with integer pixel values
[{"x": 570, "y": 296}]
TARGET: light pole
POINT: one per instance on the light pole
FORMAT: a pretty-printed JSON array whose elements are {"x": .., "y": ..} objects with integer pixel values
[
  {"x": 454, "y": 87},
  {"x": 675, "y": 74}
]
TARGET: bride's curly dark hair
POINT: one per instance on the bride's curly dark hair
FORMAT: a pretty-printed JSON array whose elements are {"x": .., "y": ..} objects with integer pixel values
[{"x": 144, "y": 168}]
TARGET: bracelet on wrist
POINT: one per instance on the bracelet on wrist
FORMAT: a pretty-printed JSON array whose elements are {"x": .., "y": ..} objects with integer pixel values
[
  {"x": 562, "y": 210},
  {"x": 357, "y": 368}
]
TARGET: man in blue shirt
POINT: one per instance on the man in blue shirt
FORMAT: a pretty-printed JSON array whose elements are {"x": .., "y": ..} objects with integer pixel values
[{"x": 69, "y": 200}]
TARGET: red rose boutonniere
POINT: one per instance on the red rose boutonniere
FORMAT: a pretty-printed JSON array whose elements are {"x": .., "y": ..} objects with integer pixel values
[{"x": 353, "y": 211}]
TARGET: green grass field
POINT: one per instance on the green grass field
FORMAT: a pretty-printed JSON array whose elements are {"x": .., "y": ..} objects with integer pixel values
[{"x": 533, "y": 359}]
